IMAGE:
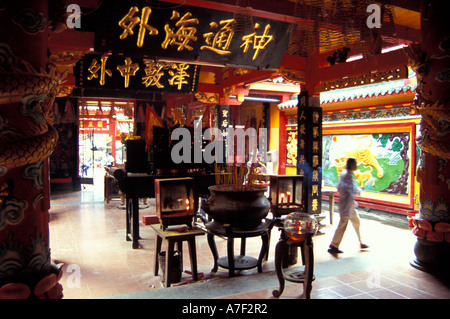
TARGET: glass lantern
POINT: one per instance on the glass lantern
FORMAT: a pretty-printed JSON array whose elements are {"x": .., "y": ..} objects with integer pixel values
[
  {"x": 286, "y": 194},
  {"x": 174, "y": 201},
  {"x": 297, "y": 225}
]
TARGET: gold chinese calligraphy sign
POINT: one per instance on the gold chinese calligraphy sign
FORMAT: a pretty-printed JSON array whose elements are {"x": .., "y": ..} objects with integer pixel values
[
  {"x": 123, "y": 72},
  {"x": 189, "y": 33},
  {"x": 309, "y": 155}
]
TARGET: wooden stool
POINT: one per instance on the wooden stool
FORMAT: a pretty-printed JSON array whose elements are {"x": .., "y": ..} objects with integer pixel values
[
  {"x": 330, "y": 195},
  {"x": 172, "y": 235}
]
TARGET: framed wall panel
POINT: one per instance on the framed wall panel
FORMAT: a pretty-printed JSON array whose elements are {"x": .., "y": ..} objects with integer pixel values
[{"x": 386, "y": 156}]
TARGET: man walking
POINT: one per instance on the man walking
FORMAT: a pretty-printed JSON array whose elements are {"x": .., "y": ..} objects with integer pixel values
[{"x": 347, "y": 207}]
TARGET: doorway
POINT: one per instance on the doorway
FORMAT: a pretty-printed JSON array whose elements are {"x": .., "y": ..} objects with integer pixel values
[{"x": 102, "y": 124}]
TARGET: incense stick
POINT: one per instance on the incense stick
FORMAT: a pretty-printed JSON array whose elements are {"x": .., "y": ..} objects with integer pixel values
[{"x": 235, "y": 176}]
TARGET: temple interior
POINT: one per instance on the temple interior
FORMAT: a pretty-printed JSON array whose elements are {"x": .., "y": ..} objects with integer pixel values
[{"x": 199, "y": 149}]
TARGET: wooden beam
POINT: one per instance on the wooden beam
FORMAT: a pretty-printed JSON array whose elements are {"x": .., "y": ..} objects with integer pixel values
[
  {"x": 209, "y": 88},
  {"x": 413, "y": 5},
  {"x": 71, "y": 40},
  {"x": 252, "y": 76},
  {"x": 88, "y": 3},
  {"x": 282, "y": 11},
  {"x": 293, "y": 62},
  {"x": 377, "y": 62},
  {"x": 408, "y": 34}
]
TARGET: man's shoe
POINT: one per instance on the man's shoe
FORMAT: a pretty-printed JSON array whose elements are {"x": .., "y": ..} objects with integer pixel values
[
  {"x": 364, "y": 246},
  {"x": 334, "y": 250}
]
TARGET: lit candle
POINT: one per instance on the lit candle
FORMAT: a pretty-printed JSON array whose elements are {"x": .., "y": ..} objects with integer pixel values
[
  {"x": 288, "y": 198},
  {"x": 187, "y": 204},
  {"x": 282, "y": 198}
]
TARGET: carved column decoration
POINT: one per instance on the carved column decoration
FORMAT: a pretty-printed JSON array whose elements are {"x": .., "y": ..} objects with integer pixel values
[
  {"x": 28, "y": 88},
  {"x": 431, "y": 61}
]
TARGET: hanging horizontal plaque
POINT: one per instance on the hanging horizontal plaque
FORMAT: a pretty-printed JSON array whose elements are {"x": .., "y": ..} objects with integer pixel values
[
  {"x": 126, "y": 73},
  {"x": 94, "y": 125},
  {"x": 137, "y": 28}
]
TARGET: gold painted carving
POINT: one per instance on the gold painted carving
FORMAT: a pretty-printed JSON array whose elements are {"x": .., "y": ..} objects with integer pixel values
[
  {"x": 64, "y": 90},
  {"x": 435, "y": 126},
  {"x": 240, "y": 71},
  {"x": 66, "y": 57},
  {"x": 36, "y": 91},
  {"x": 292, "y": 76},
  {"x": 212, "y": 98},
  {"x": 228, "y": 91}
]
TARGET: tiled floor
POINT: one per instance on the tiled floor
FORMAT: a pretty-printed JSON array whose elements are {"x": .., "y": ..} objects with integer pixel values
[{"x": 88, "y": 236}]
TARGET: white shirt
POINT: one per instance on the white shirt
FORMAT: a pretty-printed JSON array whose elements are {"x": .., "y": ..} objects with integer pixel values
[{"x": 347, "y": 191}]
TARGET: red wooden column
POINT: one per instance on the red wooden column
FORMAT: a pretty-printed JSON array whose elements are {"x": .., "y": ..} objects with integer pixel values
[
  {"x": 431, "y": 62},
  {"x": 27, "y": 138}
]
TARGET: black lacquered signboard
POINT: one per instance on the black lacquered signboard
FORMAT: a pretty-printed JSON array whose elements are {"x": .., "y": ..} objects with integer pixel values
[
  {"x": 189, "y": 33},
  {"x": 309, "y": 153},
  {"x": 121, "y": 72}
]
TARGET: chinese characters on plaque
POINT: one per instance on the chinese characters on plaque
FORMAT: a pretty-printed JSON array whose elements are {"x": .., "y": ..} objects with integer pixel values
[
  {"x": 309, "y": 155},
  {"x": 87, "y": 125},
  {"x": 224, "y": 123},
  {"x": 122, "y": 72},
  {"x": 189, "y": 33},
  {"x": 291, "y": 147}
]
